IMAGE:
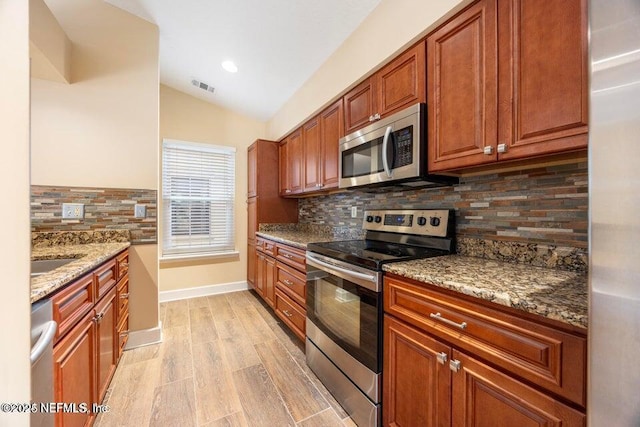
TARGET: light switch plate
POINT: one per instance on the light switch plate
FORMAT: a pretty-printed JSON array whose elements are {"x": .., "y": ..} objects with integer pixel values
[
  {"x": 72, "y": 211},
  {"x": 354, "y": 211},
  {"x": 140, "y": 211}
]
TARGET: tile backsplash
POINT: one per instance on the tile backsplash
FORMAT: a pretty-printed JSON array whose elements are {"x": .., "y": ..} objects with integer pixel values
[
  {"x": 547, "y": 206},
  {"x": 105, "y": 208}
]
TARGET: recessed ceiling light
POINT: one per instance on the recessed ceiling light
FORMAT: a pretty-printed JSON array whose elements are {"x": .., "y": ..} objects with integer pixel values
[{"x": 230, "y": 66}]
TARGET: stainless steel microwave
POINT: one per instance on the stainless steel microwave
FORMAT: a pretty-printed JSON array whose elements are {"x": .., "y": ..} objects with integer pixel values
[{"x": 390, "y": 151}]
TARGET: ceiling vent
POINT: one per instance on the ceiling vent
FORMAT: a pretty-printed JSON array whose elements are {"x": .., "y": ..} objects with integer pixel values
[{"x": 202, "y": 85}]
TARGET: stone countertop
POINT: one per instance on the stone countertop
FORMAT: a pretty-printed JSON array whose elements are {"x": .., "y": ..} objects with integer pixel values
[
  {"x": 88, "y": 257},
  {"x": 298, "y": 239},
  {"x": 555, "y": 294}
]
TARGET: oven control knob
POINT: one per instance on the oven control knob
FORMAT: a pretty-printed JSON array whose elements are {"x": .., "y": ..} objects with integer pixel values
[
  {"x": 369, "y": 218},
  {"x": 422, "y": 220},
  {"x": 434, "y": 221},
  {"x": 378, "y": 219}
]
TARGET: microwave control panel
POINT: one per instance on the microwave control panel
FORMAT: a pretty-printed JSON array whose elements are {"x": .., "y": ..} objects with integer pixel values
[{"x": 425, "y": 222}]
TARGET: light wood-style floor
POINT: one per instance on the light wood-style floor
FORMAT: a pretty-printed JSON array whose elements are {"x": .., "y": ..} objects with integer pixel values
[{"x": 225, "y": 360}]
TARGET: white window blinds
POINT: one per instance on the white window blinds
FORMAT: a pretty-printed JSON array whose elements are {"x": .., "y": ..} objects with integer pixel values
[{"x": 198, "y": 189}]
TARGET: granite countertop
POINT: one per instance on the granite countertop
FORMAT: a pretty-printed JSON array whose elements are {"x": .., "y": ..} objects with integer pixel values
[
  {"x": 88, "y": 257},
  {"x": 298, "y": 239},
  {"x": 555, "y": 294}
]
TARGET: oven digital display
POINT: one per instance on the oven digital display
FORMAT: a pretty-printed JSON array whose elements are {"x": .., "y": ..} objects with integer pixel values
[{"x": 398, "y": 220}]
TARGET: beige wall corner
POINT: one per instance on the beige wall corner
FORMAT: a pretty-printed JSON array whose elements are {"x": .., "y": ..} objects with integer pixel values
[
  {"x": 102, "y": 130},
  {"x": 15, "y": 310},
  {"x": 50, "y": 48},
  {"x": 187, "y": 118},
  {"x": 374, "y": 42}
]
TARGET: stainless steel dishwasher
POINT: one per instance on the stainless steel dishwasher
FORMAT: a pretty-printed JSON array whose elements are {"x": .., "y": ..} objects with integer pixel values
[{"x": 43, "y": 329}]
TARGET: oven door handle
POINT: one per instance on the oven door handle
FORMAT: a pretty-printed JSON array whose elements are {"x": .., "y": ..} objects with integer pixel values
[{"x": 369, "y": 281}]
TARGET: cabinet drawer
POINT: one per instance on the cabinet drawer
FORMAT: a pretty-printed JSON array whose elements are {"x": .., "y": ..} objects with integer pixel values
[
  {"x": 123, "y": 297},
  {"x": 105, "y": 277},
  {"x": 122, "y": 261},
  {"x": 72, "y": 303},
  {"x": 292, "y": 282},
  {"x": 293, "y": 256},
  {"x": 269, "y": 248},
  {"x": 291, "y": 314},
  {"x": 545, "y": 356},
  {"x": 260, "y": 244}
]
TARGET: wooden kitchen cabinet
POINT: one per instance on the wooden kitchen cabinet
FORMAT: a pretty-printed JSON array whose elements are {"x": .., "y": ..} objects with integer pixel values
[
  {"x": 502, "y": 369},
  {"x": 252, "y": 261},
  {"x": 92, "y": 336},
  {"x": 312, "y": 155},
  {"x": 291, "y": 164},
  {"x": 266, "y": 272},
  {"x": 106, "y": 341},
  {"x": 331, "y": 130},
  {"x": 252, "y": 168},
  {"x": 397, "y": 85},
  {"x": 74, "y": 371},
  {"x": 507, "y": 80}
]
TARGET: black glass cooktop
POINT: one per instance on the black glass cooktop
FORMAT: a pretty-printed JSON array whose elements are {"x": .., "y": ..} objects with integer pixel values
[{"x": 372, "y": 254}]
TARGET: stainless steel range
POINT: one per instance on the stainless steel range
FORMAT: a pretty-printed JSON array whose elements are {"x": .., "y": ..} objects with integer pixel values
[{"x": 344, "y": 301}]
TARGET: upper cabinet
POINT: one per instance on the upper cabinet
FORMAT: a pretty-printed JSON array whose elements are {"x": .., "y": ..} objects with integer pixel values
[
  {"x": 398, "y": 84},
  {"x": 507, "y": 80},
  {"x": 309, "y": 156}
]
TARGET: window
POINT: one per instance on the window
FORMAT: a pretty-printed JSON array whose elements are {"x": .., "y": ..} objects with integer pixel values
[{"x": 198, "y": 189}]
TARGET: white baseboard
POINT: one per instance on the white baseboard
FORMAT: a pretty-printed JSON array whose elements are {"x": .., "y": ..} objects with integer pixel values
[
  {"x": 202, "y": 291},
  {"x": 144, "y": 337}
]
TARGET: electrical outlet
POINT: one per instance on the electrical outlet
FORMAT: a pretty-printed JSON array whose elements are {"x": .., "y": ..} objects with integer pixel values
[
  {"x": 72, "y": 211},
  {"x": 354, "y": 211},
  {"x": 140, "y": 211}
]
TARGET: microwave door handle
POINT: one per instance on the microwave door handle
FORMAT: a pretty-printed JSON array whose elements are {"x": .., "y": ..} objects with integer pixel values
[{"x": 385, "y": 154}]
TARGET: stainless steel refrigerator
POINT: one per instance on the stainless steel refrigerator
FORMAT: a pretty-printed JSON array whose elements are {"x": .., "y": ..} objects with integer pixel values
[{"x": 614, "y": 209}]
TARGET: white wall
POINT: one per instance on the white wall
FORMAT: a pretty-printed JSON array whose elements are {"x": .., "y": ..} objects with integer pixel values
[
  {"x": 102, "y": 129},
  {"x": 14, "y": 177},
  {"x": 187, "y": 118},
  {"x": 389, "y": 29}
]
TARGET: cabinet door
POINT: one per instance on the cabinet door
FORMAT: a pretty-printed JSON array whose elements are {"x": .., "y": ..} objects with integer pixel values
[
  {"x": 251, "y": 265},
  {"x": 359, "y": 105},
  {"x": 294, "y": 162},
  {"x": 260, "y": 274},
  {"x": 269, "y": 280},
  {"x": 74, "y": 371},
  {"x": 252, "y": 219},
  {"x": 252, "y": 168},
  {"x": 283, "y": 169},
  {"x": 543, "y": 76},
  {"x": 462, "y": 89},
  {"x": 106, "y": 342},
  {"x": 486, "y": 397},
  {"x": 312, "y": 154},
  {"x": 421, "y": 395},
  {"x": 332, "y": 129},
  {"x": 401, "y": 83}
]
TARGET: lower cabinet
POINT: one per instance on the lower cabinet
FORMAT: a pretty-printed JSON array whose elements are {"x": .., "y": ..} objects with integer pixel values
[
  {"x": 73, "y": 372},
  {"x": 89, "y": 347},
  {"x": 437, "y": 374},
  {"x": 281, "y": 282}
]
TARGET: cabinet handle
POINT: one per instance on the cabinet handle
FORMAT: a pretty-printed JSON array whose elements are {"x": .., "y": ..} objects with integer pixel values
[
  {"x": 124, "y": 296},
  {"x": 439, "y": 317},
  {"x": 287, "y": 282},
  {"x": 287, "y": 256},
  {"x": 502, "y": 148},
  {"x": 376, "y": 116},
  {"x": 124, "y": 265},
  {"x": 371, "y": 118},
  {"x": 488, "y": 150},
  {"x": 287, "y": 191},
  {"x": 455, "y": 365},
  {"x": 286, "y": 313},
  {"x": 442, "y": 358},
  {"x": 98, "y": 317},
  {"x": 124, "y": 333}
]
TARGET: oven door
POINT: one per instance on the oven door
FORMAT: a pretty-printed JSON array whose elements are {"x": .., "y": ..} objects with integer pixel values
[{"x": 344, "y": 302}]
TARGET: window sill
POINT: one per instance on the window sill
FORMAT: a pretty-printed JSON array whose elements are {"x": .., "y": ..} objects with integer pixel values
[{"x": 170, "y": 259}]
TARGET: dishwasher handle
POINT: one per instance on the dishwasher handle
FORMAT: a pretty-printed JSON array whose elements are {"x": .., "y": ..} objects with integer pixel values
[{"x": 49, "y": 331}]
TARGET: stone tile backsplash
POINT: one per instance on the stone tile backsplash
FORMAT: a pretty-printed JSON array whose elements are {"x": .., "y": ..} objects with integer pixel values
[
  {"x": 519, "y": 214},
  {"x": 105, "y": 209}
]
